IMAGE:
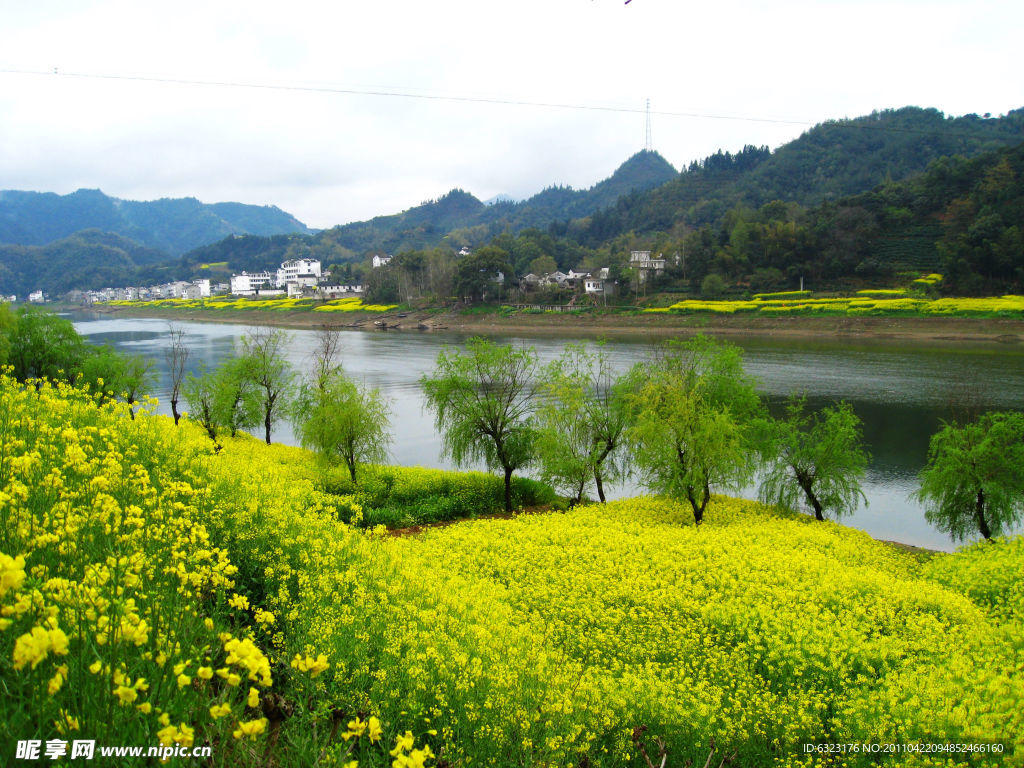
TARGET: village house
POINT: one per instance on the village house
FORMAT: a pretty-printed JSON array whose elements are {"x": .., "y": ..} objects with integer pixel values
[
  {"x": 529, "y": 282},
  {"x": 338, "y": 291},
  {"x": 645, "y": 266},
  {"x": 555, "y": 278},
  {"x": 298, "y": 272},
  {"x": 597, "y": 282},
  {"x": 247, "y": 284}
]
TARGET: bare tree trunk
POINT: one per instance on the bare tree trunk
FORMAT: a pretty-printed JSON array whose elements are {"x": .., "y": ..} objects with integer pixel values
[{"x": 176, "y": 356}]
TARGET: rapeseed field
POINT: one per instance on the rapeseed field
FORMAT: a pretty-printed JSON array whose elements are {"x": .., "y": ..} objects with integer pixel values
[
  {"x": 867, "y": 302},
  {"x": 154, "y": 591}
]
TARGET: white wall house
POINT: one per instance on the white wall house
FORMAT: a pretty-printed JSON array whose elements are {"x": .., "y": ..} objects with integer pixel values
[
  {"x": 36, "y": 297},
  {"x": 247, "y": 284},
  {"x": 381, "y": 261},
  {"x": 301, "y": 272},
  {"x": 645, "y": 265},
  {"x": 338, "y": 291}
]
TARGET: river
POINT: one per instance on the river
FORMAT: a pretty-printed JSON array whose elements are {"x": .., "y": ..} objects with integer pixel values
[{"x": 901, "y": 392}]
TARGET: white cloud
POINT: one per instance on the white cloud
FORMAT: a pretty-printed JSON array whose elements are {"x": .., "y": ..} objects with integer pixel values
[{"x": 330, "y": 157}]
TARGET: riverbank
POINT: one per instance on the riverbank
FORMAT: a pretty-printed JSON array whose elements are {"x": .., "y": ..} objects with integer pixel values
[{"x": 916, "y": 329}]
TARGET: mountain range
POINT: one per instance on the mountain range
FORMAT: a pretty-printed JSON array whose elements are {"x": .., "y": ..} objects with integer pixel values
[
  {"x": 134, "y": 242},
  {"x": 173, "y": 226}
]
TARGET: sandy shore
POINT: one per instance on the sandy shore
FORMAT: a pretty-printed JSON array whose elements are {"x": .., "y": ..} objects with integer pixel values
[{"x": 932, "y": 330}]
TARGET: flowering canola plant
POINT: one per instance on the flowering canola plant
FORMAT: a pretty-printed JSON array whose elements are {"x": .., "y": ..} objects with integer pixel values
[
  {"x": 868, "y": 302},
  {"x": 120, "y": 618},
  {"x": 281, "y": 304},
  {"x": 154, "y": 589}
]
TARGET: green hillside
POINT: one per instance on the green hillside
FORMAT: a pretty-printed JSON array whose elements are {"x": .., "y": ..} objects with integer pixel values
[
  {"x": 84, "y": 260},
  {"x": 963, "y": 218},
  {"x": 833, "y": 160},
  {"x": 170, "y": 225}
]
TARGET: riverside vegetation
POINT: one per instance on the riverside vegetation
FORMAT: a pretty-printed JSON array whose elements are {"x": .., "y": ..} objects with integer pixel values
[{"x": 158, "y": 586}]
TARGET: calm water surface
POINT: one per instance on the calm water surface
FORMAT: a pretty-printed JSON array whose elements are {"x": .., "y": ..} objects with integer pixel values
[{"x": 900, "y": 392}]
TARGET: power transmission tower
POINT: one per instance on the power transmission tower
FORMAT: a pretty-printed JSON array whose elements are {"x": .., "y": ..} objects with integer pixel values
[{"x": 648, "y": 144}]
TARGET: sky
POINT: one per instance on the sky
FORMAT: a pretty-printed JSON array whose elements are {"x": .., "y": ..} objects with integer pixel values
[{"x": 338, "y": 112}]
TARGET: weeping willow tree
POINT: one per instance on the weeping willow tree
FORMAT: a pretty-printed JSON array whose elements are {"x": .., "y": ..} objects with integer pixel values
[
  {"x": 693, "y": 410},
  {"x": 482, "y": 400},
  {"x": 814, "y": 459},
  {"x": 974, "y": 478},
  {"x": 581, "y": 421},
  {"x": 338, "y": 417}
]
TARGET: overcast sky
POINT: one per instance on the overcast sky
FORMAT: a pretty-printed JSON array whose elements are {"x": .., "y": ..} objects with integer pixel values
[{"x": 120, "y": 95}]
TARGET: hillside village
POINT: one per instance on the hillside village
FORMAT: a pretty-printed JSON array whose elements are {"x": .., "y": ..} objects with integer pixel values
[
  {"x": 295, "y": 277},
  {"x": 305, "y": 278}
]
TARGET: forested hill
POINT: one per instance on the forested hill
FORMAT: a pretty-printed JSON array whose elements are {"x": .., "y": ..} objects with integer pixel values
[
  {"x": 646, "y": 195},
  {"x": 833, "y": 160},
  {"x": 170, "y": 225},
  {"x": 87, "y": 259},
  {"x": 464, "y": 220}
]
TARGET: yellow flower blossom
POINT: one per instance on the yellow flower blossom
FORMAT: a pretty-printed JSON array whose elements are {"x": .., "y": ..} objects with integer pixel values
[
  {"x": 239, "y": 601},
  {"x": 65, "y": 723},
  {"x": 402, "y": 743},
  {"x": 32, "y": 647},
  {"x": 12, "y": 573},
  {"x": 250, "y": 729},
  {"x": 125, "y": 694},
  {"x": 375, "y": 731},
  {"x": 309, "y": 664}
]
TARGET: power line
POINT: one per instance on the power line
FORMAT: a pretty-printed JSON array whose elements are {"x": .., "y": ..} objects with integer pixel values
[
  {"x": 397, "y": 93},
  {"x": 409, "y": 94}
]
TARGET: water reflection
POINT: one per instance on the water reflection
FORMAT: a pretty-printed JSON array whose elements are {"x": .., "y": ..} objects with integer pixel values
[{"x": 901, "y": 393}]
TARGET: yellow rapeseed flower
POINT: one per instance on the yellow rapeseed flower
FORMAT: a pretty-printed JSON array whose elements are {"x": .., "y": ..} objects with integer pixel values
[
  {"x": 250, "y": 729},
  {"x": 12, "y": 573}
]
